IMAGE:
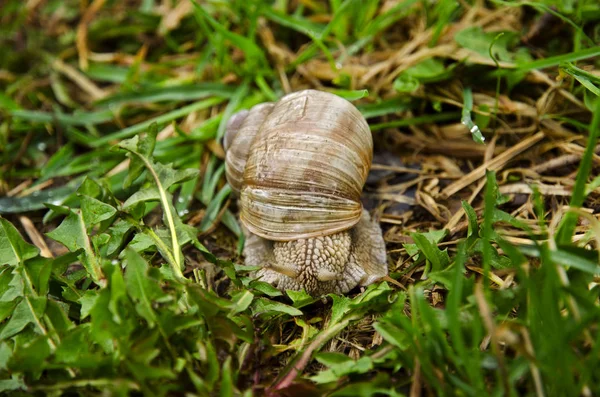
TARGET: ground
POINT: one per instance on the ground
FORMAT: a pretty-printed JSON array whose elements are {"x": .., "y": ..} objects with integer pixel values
[{"x": 120, "y": 249}]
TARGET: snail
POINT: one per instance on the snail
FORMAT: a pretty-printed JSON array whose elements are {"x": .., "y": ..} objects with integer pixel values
[{"x": 298, "y": 167}]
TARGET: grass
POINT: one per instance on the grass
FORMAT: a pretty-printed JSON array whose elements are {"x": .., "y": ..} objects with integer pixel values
[{"x": 120, "y": 265}]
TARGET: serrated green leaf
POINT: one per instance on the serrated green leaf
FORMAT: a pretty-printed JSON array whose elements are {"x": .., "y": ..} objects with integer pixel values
[
  {"x": 89, "y": 187},
  {"x": 87, "y": 302},
  {"x": 374, "y": 298},
  {"x": 117, "y": 232},
  {"x": 57, "y": 313},
  {"x": 148, "y": 194},
  {"x": 7, "y": 275},
  {"x": 5, "y": 354},
  {"x": 95, "y": 211},
  {"x": 263, "y": 287},
  {"x": 434, "y": 236},
  {"x": 117, "y": 293},
  {"x": 75, "y": 344},
  {"x": 6, "y": 308},
  {"x": 130, "y": 144},
  {"x": 28, "y": 311},
  {"x": 325, "y": 376},
  {"x": 31, "y": 356},
  {"x": 168, "y": 176},
  {"x": 360, "y": 366},
  {"x": 14, "y": 285},
  {"x": 427, "y": 70},
  {"x": 142, "y": 242},
  {"x": 475, "y": 39},
  {"x": 444, "y": 277},
  {"x": 394, "y": 335},
  {"x": 16, "y": 382},
  {"x": 241, "y": 301},
  {"x": 99, "y": 241},
  {"x": 264, "y": 306},
  {"x": 104, "y": 330},
  {"x": 13, "y": 249},
  {"x": 300, "y": 298},
  {"x": 38, "y": 270},
  {"x": 162, "y": 177},
  {"x": 473, "y": 228},
  {"x": 406, "y": 83},
  {"x": 187, "y": 233},
  {"x": 341, "y": 306},
  {"x": 439, "y": 259},
  {"x": 72, "y": 233},
  {"x": 140, "y": 287},
  {"x": 143, "y": 147},
  {"x": 331, "y": 358}
]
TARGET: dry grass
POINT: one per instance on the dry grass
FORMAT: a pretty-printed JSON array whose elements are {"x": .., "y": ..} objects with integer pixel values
[{"x": 69, "y": 58}]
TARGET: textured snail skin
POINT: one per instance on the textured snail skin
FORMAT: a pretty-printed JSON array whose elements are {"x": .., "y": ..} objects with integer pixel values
[{"x": 321, "y": 265}]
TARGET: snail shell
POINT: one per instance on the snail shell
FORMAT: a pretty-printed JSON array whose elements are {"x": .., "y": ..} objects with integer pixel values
[{"x": 299, "y": 165}]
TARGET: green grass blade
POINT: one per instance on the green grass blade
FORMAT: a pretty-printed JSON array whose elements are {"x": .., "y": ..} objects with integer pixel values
[
  {"x": 75, "y": 119},
  {"x": 568, "y": 223},
  {"x": 466, "y": 116},
  {"x": 177, "y": 93},
  {"x": 434, "y": 118},
  {"x": 387, "y": 106},
  {"x": 165, "y": 118},
  {"x": 556, "y": 60}
]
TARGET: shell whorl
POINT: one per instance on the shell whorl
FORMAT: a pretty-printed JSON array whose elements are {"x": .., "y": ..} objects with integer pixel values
[
  {"x": 299, "y": 165},
  {"x": 239, "y": 135}
]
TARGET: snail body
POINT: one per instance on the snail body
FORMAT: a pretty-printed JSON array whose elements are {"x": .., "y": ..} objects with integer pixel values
[{"x": 298, "y": 167}]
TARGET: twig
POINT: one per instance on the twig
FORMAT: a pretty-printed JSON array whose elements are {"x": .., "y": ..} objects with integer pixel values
[
  {"x": 415, "y": 387},
  {"x": 496, "y": 164}
]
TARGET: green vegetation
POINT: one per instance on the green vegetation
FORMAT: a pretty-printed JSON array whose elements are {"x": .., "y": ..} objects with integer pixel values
[{"x": 120, "y": 267}]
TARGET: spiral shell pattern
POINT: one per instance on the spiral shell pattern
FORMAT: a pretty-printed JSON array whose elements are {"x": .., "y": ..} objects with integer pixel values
[{"x": 299, "y": 165}]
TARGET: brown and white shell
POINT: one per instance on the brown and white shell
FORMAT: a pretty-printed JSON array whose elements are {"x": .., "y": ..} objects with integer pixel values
[{"x": 299, "y": 165}]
